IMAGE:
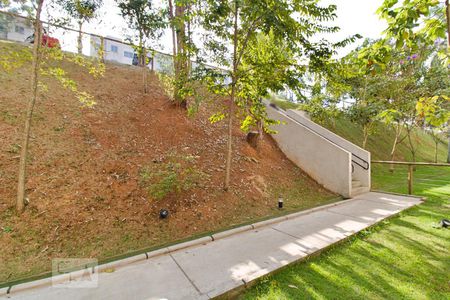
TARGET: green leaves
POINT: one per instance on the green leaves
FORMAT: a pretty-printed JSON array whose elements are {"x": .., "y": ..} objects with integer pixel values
[
  {"x": 175, "y": 175},
  {"x": 405, "y": 19},
  {"x": 217, "y": 117},
  {"x": 61, "y": 76},
  {"x": 270, "y": 39},
  {"x": 433, "y": 110},
  {"x": 143, "y": 17},
  {"x": 13, "y": 57},
  {"x": 82, "y": 10},
  {"x": 390, "y": 116}
]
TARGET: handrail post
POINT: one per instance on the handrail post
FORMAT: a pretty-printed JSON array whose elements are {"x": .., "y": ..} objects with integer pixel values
[{"x": 410, "y": 179}]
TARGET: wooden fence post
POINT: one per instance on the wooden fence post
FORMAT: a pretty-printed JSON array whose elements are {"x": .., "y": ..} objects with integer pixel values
[{"x": 410, "y": 179}]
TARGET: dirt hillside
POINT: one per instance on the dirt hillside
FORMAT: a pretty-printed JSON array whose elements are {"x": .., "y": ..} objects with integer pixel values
[{"x": 85, "y": 188}]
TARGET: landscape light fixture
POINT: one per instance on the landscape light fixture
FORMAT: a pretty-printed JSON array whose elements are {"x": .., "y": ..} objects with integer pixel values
[
  {"x": 163, "y": 213},
  {"x": 280, "y": 202}
]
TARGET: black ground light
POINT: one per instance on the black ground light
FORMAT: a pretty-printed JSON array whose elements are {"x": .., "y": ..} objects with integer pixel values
[
  {"x": 445, "y": 223},
  {"x": 163, "y": 213},
  {"x": 280, "y": 202}
]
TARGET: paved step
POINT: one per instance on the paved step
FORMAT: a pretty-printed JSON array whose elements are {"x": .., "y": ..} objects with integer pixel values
[
  {"x": 213, "y": 268},
  {"x": 359, "y": 190},
  {"x": 356, "y": 183}
]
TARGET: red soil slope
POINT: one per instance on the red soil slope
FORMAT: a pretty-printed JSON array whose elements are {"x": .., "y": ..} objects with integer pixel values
[{"x": 85, "y": 199}]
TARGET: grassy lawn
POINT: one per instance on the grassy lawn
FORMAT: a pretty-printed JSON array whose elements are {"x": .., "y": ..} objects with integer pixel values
[{"x": 402, "y": 258}]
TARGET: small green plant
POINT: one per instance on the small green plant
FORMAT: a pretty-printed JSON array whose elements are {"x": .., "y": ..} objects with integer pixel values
[
  {"x": 14, "y": 149},
  {"x": 178, "y": 174},
  {"x": 7, "y": 229},
  {"x": 168, "y": 84},
  {"x": 8, "y": 118}
]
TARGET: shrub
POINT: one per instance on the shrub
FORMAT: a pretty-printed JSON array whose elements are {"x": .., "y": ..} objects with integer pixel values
[{"x": 178, "y": 174}]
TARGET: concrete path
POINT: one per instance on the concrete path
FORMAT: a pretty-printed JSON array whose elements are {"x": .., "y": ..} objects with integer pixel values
[{"x": 214, "y": 267}]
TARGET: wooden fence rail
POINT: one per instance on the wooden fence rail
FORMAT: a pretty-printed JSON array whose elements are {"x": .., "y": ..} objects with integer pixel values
[{"x": 410, "y": 169}]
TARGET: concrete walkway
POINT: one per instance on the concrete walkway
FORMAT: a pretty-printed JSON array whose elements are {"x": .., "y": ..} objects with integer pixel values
[{"x": 229, "y": 260}]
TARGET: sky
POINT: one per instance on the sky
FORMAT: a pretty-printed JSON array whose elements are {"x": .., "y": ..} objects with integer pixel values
[
  {"x": 353, "y": 16},
  {"x": 357, "y": 16}
]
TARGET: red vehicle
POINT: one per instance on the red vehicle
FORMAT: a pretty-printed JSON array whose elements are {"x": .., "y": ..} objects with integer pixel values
[{"x": 47, "y": 41}]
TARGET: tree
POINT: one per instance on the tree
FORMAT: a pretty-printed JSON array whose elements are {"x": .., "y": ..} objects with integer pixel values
[
  {"x": 42, "y": 59},
  {"x": 432, "y": 110},
  {"x": 180, "y": 17},
  {"x": 365, "y": 113},
  {"x": 34, "y": 89},
  {"x": 269, "y": 66},
  {"x": 409, "y": 19},
  {"x": 363, "y": 74},
  {"x": 427, "y": 19},
  {"x": 148, "y": 22},
  {"x": 236, "y": 22},
  {"x": 82, "y": 11},
  {"x": 401, "y": 90}
]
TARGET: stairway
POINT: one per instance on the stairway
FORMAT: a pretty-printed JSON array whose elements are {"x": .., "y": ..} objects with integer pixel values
[
  {"x": 336, "y": 163},
  {"x": 358, "y": 188}
]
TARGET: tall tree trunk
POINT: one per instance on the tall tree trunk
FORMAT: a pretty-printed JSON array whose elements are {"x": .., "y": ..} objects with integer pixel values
[
  {"x": 232, "y": 99},
  {"x": 34, "y": 90},
  {"x": 412, "y": 148},
  {"x": 448, "y": 152},
  {"x": 102, "y": 50},
  {"x": 366, "y": 136},
  {"x": 174, "y": 49},
  {"x": 189, "y": 39},
  {"x": 260, "y": 126},
  {"x": 174, "y": 38},
  {"x": 80, "y": 38},
  {"x": 143, "y": 62},
  {"x": 398, "y": 131},
  {"x": 144, "y": 70},
  {"x": 447, "y": 13},
  {"x": 181, "y": 66}
]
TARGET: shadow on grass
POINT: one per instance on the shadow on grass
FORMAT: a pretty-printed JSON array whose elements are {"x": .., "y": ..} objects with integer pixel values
[{"x": 405, "y": 258}]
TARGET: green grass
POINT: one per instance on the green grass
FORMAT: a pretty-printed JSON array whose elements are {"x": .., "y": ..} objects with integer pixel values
[
  {"x": 405, "y": 257},
  {"x": 380, "y": 142}
]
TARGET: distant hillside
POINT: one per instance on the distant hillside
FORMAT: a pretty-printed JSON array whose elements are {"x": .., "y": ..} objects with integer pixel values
[{"x": 380, "y": 143}]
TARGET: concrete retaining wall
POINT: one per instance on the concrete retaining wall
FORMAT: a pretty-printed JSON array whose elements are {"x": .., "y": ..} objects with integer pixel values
[
  {"x": 359, "y": 172},
  {"x": 325, "y": 161}
]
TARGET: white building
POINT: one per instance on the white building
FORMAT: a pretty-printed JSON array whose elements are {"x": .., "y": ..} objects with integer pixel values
[
  {"x": 15, "y": 28},
  {"x": 119, "y": 52},
  {"x": 114, "y": 50}
]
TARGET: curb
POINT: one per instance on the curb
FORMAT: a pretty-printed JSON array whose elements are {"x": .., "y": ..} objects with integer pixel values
[
  {"x": 227, "y": 233},
  {"x": 120, "y": 263},
  {"x": 176, "y": 247},
  {"x": 146, "y": 255},
  {"x": 269, "y": 222},
  {"x": 399, "y": 194}
]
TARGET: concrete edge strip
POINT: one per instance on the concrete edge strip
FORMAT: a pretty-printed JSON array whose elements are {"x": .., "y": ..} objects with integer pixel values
[
  {"x": 399, "y": 194},
  {"x": 167, "y": 250},
  {"x": 235, "y": 292}
]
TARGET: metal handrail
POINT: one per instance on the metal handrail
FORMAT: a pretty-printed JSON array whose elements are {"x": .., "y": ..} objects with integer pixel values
[
  {"x": 410, "y": 168},
  {"x": 365, "y": 167}
]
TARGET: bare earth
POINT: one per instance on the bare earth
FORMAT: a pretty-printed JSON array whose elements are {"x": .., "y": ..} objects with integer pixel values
[{"x": 85, "y": 199}]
